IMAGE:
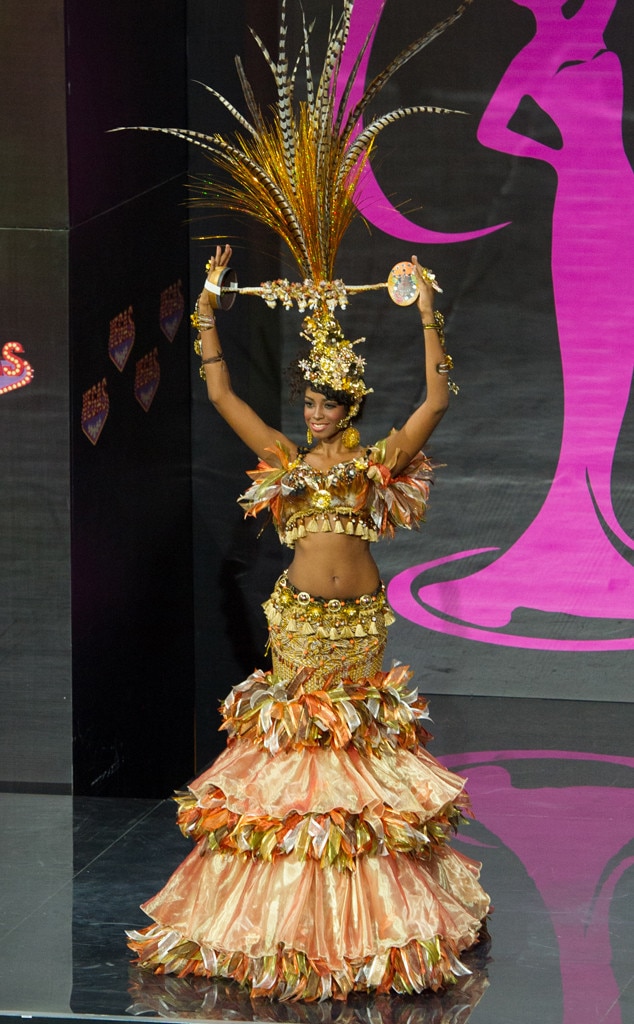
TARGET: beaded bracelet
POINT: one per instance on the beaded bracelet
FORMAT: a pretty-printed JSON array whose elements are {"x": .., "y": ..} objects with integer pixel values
[{"x": 202, "y": 322}]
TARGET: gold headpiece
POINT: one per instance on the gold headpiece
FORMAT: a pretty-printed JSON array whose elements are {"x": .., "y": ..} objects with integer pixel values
[{"x": 332, "y": 362}]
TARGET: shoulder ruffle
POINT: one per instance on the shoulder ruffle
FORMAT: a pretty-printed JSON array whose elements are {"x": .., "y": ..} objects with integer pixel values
[
  {"x": 397, "y": 501},
  {"x": 266, "y": 489}
]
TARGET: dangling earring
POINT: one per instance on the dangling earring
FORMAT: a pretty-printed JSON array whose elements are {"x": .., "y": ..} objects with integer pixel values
[
  {"x": 309, "y": 436},
  {"x": 351, "y": 437}
]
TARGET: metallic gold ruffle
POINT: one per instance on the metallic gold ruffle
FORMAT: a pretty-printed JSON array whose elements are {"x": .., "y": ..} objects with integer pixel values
[
  {"x": 290, "y": 975},
  {"x": 335, "y": 838},
  {"x": 374, "y": 714}
]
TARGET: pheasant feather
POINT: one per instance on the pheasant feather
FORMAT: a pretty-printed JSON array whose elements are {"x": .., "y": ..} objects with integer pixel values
[
  {"x": 249, "y": 96},
  {"x": 401, "y": 58},
  {"x": 230, "y": 107},
  {"x": 310, "y": 89},
  {"x": 298, "y": 168},
  {"x": 336, "y": 43},
  {"x": 363, "y": 140}
]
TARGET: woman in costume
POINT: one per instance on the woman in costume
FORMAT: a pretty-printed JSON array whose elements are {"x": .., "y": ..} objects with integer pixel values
[{"x": 321, "y": 864}]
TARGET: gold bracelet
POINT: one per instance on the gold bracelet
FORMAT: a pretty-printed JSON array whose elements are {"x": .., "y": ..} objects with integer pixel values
[
  {"x": 205, "y": 362},
  {"x": 201, "y": 321},
  {"x": 438, "y": 325},
  {"x": 444, "y": 369}
]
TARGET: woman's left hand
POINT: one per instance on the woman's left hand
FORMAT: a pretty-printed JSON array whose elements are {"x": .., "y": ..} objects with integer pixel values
[{"x": 427, "y": 285}]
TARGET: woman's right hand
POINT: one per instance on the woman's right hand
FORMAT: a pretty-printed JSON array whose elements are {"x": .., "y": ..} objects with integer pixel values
[{"x": 221, "y": 258}]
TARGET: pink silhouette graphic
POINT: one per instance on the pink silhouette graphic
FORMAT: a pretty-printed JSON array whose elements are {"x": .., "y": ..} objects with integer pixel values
[
  {"x": 575, "y": 865},
  {"x": 375, "y": 206},
  {"x": 567, "y": 560}
]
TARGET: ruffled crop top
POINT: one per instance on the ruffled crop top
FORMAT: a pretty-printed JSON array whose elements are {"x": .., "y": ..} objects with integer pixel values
[{"x": 359, "y": 497}]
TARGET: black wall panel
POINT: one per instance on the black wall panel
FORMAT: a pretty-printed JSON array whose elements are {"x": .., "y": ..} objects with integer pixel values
[
  {"x": 233, "y": 568},
  {"x": 33, "y": 189},
  {"x": 35, "y": 688},
  {"x": 131, "y": 499},
  {"x": 129, "y": 340},
  {"x": 126, "y": 66},
  {"x": 35, "y": 683},
  {"x": 91, "y": 226}
]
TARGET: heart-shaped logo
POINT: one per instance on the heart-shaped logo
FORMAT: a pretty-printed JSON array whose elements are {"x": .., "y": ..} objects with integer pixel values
[
  {"x": 147, "y": 378},
  {"x": 94, "y": 410},
  {"x": 172, "y": 309},
  {"x": 121, "y": 340}
]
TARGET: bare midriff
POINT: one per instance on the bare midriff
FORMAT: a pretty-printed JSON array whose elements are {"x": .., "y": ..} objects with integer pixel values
[{"x": 333, "y": 565}]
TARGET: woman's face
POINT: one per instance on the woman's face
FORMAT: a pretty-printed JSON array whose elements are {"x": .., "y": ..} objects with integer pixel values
[{"x": 322, "y": 415}]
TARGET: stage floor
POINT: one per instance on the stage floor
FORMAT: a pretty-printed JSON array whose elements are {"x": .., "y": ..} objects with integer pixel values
[{"x": 554, "y": 832}]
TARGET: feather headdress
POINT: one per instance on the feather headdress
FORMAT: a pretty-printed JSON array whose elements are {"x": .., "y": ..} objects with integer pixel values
[{"x": 298, "y": 167}]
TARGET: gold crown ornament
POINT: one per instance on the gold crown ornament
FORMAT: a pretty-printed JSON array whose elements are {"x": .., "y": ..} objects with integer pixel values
[{"x": 332, "y": 362}]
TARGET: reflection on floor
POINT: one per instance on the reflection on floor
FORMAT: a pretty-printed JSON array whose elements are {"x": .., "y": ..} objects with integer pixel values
[{"x": 554, "y": 831}]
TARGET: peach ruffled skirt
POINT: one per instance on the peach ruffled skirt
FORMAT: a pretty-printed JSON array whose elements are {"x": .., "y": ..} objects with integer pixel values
[{"x": 321, "y": 863}]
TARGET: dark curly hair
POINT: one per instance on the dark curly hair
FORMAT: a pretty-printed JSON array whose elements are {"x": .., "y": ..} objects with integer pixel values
[{"x": 298, "y": 385}]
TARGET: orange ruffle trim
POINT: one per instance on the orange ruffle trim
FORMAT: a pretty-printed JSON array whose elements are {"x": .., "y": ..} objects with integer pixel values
[
  {"x": 290, "y": 975},
  {"x": 335, "y": 837},
  {"x": 382, "y": 712}
]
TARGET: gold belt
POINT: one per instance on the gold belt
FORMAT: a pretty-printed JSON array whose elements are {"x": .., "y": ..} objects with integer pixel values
[{"x": 333, "y": 618}]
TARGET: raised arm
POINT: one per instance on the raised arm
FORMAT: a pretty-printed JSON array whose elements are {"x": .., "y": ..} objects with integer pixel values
[
  {"x": 250, "y": 427},
  {"x": 418, "y": 428}
]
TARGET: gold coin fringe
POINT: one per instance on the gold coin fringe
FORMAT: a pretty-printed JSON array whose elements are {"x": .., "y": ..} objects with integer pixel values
[
  {"x": 334, "y": 619},
  {"x": 300, "y": 524}
]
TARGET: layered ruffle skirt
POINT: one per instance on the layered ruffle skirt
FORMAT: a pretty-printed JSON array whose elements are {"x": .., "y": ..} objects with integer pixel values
[{"x": 321, "y": 864}]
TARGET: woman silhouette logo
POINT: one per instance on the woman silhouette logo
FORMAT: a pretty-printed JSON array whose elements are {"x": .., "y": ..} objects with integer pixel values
[{"x": 568, "y": 559}]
